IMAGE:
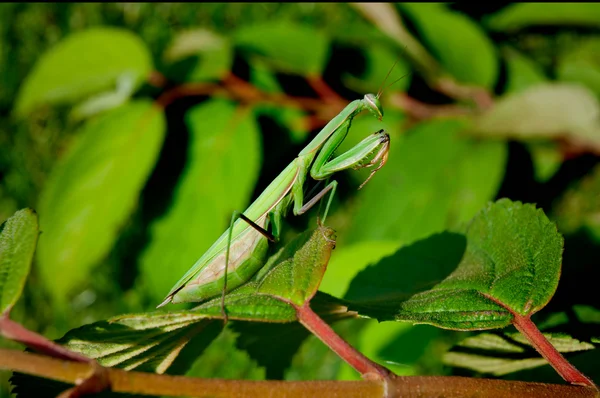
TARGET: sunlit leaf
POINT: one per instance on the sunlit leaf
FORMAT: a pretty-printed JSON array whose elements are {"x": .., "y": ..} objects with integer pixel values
[
  {"x": 222, "y": 166},
  {"x": 520, "y": 15},
  {"x": 459, "y": 43},
  {"x": 85, "y": 63},
  {"x": 93, "y": 190},
  {"x": 287, "y": 46},
  {"x": 548, "y": 110},
  {"x": 18, "y": 239},
  {"x": 511, "y": 264},
  {"x": 582, "y": 65},
  {"x": 297, "y": 272},
  {"x": 204, "y": 54},
  {"x": 435, "y": 178}
]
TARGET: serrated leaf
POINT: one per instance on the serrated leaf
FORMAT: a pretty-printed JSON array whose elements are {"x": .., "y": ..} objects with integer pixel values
[
  {"x": 203, "y": 54},
  {"x": 18, "y": 239},
  {"x": 582, "y": 65},
  {"x": 93, "y": 190},
  {"x": 85, "y": 63},
  {"x": 501, "y": 354},
  {"x": 286, "y": 46},
  {"x": 520, "y": 15},
  {"x": 224, "y": 156},
  {"x": 459, "y": 43},
  {"x": 148, "y": 342},
  {"x": 579, "y": 207},
  {"x": 522, "y": 72},
  {"x": 245, "y": 305},
  {"x": 297, "y": 272},
  {"x": 548, "y": 110},
  {"x": 407, "y": 200},
  {"x": 511, "y": 265}
]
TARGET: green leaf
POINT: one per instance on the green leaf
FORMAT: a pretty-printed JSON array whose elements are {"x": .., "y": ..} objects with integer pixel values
[
  {"x": 297, "y": 271},
  {"x": 286, "y": 46},
  {"x": 245, "y": 305},
  {"x": 18, "y": 238},
  {"x": 548, "y": 110},
  {"x": 579, "y": 206},
  {"x": 201, "y": 55},
  {"x": 522, "y": 72},
  {"x": 519, "y": 15},
  {"x": 149, "y": 342},
  {"x": 85, "y": 63},
  {"x": 351, "y": 259},
  {"x": 547, "y": 158},
  {"x": 435, "y": 178},
  {"x": 222, "y": 167},
  {"x": 501, "y": 354},
  {"x": 582, "y": 65},
  {"x": 511, "y": 265},
  {"x": 409, "y": 270},
  {"x": 224, "y": 360},
  {"x": 379, "y": 61},
  {"x": 460, "y": 44},
  {"x": 93, "y": 190}
]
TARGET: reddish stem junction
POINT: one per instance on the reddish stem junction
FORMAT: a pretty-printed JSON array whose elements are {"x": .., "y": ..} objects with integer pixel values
[
  {"x": 367, "y": 368},
  {"x": 563, "y": 367}
]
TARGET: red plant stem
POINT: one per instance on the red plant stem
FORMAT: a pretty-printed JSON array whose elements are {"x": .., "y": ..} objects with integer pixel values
[
  {"x": 551, "y": 354},
  {"x": 323, "y": 90},
  {"x": 367, "y": 368},
  {"x": 15, "y": 331}
]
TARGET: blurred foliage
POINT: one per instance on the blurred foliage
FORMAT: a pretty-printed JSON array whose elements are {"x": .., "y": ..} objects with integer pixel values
[{"x": 130, "y": 195}]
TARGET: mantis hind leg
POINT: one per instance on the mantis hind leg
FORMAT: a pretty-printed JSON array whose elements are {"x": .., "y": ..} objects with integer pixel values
[{"x": 234, "y": 217}]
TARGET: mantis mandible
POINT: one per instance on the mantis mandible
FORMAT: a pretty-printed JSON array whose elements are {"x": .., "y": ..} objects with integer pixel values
[{"x": 244, "y": 245}]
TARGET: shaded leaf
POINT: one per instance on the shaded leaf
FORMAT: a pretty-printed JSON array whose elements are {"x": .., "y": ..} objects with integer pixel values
[
  {"x": 435, "y": 178},
  {"x": 544, "y": 111},
  {"x": 83, "y": 64},
  {"x": 454, "y": 39},
  {"x": 224, "y": 360},
  {"x": 148, "y": 342},
  {"x": 573, "y": 331},
  {"x": 222, "y": 167},
  {"x": 579, "y": 207},
  {"x": 78, "y": 217},
  {"x": 18, "y": 239},
  {"x": 286, "y": 46},
  {"x": 582, "y": 65},
  {"x": 522, "y": 72},
  {"x": 500, "y": 354},
  {"x": 201, "y": 54},
  {"x": 409, "y": 270},
  {"x": 519, "y": 15},
  {"x": 511, "y": 265}
]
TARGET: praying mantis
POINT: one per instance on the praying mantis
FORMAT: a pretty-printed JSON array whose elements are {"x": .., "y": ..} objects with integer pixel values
[{"x": 243, "y": 247}]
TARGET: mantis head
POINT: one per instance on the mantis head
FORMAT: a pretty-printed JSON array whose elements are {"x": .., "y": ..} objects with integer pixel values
[{"x": 374, "y": 105}]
